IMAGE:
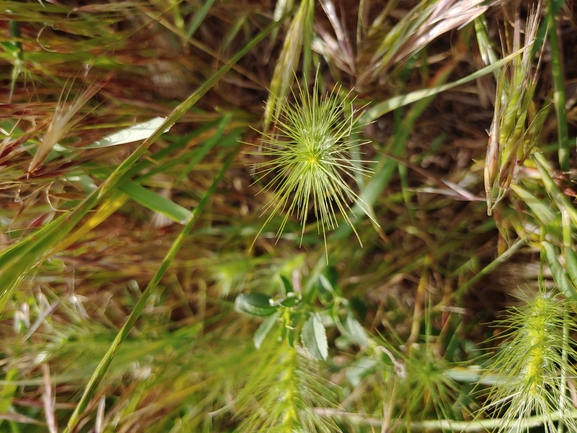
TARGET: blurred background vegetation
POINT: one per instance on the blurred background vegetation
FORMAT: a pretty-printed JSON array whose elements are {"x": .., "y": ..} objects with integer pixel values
[{"x": 132, "y": 296}]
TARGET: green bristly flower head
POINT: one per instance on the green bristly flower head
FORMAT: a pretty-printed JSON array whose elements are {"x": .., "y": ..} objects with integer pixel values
[
  {"x": 530, "y": 373},
  {"x": 309, "y": 156}
]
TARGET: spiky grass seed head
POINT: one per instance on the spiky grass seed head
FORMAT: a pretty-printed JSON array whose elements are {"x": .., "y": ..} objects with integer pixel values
[
  {"x": 533, "y": 366},
  {"x": 309, "y": 157}
]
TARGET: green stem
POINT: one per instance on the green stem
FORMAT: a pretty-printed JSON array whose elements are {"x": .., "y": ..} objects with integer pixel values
[
  {"x": 559, "y": 88},
  {"x": 290, "y": 393},
  {"x": 445, "y": 424},
  {"x": 491, "y": 266}
]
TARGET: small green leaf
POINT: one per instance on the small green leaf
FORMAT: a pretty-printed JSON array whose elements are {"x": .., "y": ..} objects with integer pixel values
[
  {"x": 290, "y": 301},
  {"x": 255, "y": 304},
  {"x": 332, "y": 276},
  {"x": 285, "y": 285},
  {"x": 265, "y": 328},
  {"x": 156, "y": 202},
  {"x": 314, "y": 337},
  {"x": 355, "y": 331},
  {"x": 326, "y": 289}
]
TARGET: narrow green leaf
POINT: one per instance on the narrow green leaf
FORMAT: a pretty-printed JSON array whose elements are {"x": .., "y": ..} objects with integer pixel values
[
  {"x": 553, "y": 190},
  {"x": 400, "y": 101},
  {"x": 7, "y": 392},
  {"x": 198, "y": 18},
  {"x": 510, "y": 252},
  {"x": 557, "y": 74},
  {"x": 285, "y": 285},
  {"x": 209, "y": 144},
  {"x": 300, "y": 30},
  {"x": 541, "y": 211},
  {"x": 156, "y": 202},
  {"x": 265, "y": 328},
  {"x": 559, "y": 275},
  {"x": 484, "y": 42},
  {"x": 314, "y": 337},
  {"x": 255, "y": 304}
]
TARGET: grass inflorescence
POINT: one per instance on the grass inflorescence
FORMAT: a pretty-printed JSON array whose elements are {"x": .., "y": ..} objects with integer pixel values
[
  {"x": 533, "y": 366},
  {"x": 309, "y": 156}
]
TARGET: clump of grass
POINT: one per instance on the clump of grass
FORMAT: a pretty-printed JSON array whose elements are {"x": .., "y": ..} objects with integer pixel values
[{"x": 310, "y": 158}]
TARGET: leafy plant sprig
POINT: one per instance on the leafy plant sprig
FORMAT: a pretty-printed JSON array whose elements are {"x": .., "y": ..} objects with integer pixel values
[
  {"x": 283, "y": 389},
  {"x": 309, "y": 157},
  {"x": 296, "y": 314}
]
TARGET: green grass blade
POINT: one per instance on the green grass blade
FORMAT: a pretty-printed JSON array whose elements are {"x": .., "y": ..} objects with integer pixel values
[
  {"x": 400, "y": 101},
  {"x": 107, "y": 208},
  {"x": 132, "y": 189},
  {"x": 299, "y": 31},
  {"x": 539, "y": 208},
  {"x": 134, "y": 133},
  {"x": 511, "y": 251},
  {"x": 123, "y": 333},
  {"x": 484, "y": 42},
  {"x": 199, "y": 18},
  {"x": 156, "y": 202},
  {"x": 559, "y": 275},
  {"x": 208, "y": 145},
  {"x": 558, "y": 88}
]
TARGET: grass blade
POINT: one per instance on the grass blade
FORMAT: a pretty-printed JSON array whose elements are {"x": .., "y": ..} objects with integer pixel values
[
  {"x": 558, "y": 88},
  {"x": 98, "y": 375},
  {"x": 559, "y": 274},
  {"x": 400, "y": 101}
]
